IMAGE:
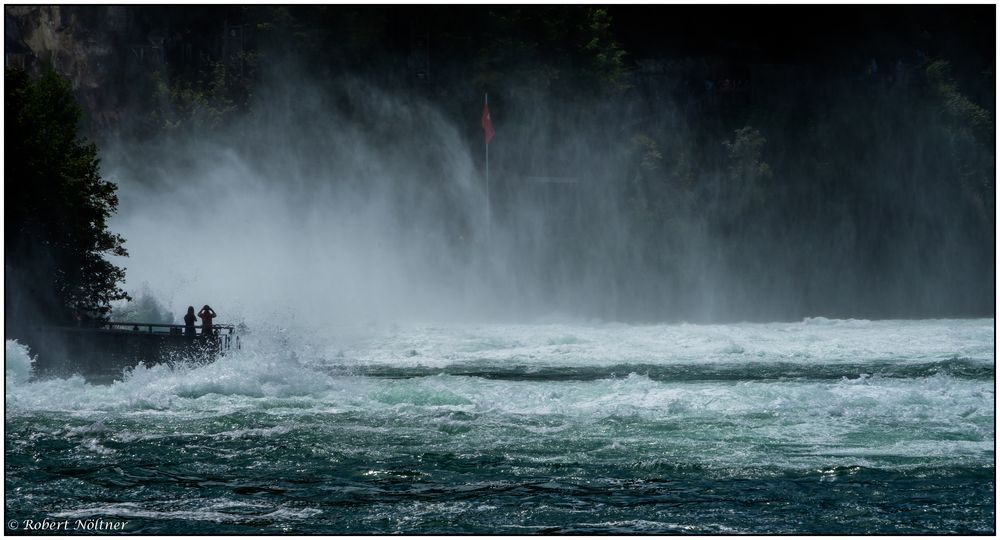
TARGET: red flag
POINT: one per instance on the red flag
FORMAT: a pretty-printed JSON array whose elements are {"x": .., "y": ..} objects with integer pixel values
[{"x": 488, "y": 130}]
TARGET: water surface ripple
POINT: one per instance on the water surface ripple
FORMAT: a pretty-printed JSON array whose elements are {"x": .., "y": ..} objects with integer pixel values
[{"x": 812, "y": 427}]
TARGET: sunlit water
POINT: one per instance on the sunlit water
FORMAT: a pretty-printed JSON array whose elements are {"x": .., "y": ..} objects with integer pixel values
[{"x": 813, "y": 427}]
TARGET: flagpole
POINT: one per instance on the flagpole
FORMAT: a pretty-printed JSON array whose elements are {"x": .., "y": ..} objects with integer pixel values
[{"x": 486, "y": 98}]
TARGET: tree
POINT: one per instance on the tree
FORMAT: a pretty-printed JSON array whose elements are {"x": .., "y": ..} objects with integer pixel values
[
  {"x": 57, "y": 206},
  {"x": 970, "y": 135},
  {"x": 567, "y": 50}
]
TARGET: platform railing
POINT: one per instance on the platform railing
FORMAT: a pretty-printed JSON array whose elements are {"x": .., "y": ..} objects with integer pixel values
[
  {"x": 149, "y": 327},
  {"x": 225, "y": 333}
]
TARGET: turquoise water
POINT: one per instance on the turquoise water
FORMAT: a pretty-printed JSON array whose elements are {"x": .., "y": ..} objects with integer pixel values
[{"x": 821, "y": 426}]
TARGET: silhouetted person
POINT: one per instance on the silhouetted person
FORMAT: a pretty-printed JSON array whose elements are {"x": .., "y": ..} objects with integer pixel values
[
  {"x": 206, "y": 315},
  {"x": 189, "y": 320}
]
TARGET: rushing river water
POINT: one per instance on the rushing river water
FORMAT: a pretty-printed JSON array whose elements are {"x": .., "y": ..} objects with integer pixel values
[{"x": 820, "y": 426}]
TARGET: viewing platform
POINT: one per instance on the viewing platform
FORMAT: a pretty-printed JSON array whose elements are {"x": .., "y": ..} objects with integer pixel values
[{"x": 102, "y": 353}]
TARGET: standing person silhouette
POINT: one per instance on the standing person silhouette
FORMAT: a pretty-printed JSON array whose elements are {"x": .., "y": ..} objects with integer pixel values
[
  {"x": 189, "y": 320},
  {"x": 206, "y": 314}
]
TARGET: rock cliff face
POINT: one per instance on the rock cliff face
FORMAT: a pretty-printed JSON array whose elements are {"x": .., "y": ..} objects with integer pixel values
[
  {"x": 109, "y": 53},
  {"x": 81, "y": 43}
]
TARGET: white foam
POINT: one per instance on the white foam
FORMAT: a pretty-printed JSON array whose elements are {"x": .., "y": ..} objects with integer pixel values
[
  {"x": 831, "y": 341},
  {"x": 234, "y": 381},
  {"x": 847, "y": 421},
  {"x": 17, "y": 362},
  {"x": 212, "y": 513}
]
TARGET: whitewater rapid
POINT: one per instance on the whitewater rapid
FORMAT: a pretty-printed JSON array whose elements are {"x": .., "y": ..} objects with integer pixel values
[{"x": 819, "y": 399}]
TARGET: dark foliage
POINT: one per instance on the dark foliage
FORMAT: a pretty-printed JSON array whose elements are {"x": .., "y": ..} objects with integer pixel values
[{"x": 57, "y": 207}]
